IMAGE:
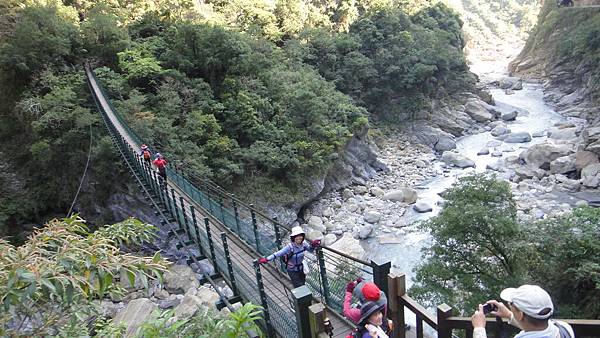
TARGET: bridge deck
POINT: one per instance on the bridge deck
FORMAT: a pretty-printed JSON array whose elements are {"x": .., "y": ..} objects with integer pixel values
[{"x": 277, "y": 286}]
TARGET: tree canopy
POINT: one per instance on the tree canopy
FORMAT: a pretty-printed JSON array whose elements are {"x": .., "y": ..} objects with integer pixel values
[
  {"x": 231, "y": 90},
  {"x": 480, "y": 248}
]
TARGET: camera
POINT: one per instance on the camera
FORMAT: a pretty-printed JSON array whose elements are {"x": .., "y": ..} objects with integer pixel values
[{"x": 487, "y": 308}]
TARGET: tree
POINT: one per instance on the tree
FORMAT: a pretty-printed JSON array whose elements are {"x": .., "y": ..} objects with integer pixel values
[
  {"x": 566, "y": 261},
  {"x": 45, "y": 36},
  {"x": 102, "y": 36},
  {"x": 476, "y": 245},
  {"x": 51, "y": 280}
]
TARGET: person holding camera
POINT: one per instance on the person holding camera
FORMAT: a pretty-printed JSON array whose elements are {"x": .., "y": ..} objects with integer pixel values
[{"x": 529, "y": 308}]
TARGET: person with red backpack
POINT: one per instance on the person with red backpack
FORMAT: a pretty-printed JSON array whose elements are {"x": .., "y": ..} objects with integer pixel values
[
  {"x": 161, "y": 164},
  {"x": 145, "y": 154},
  {"x": 293, "y": 256}
]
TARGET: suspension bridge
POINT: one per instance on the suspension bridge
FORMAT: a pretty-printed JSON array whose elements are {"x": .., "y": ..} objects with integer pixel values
[{"x": 209, "y": 223}]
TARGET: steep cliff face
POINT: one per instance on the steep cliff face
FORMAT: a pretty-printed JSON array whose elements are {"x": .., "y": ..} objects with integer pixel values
[{"x": 563, "y": 50}]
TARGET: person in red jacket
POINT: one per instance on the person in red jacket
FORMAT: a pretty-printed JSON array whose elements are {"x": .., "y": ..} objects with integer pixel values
[{"x": 160, "y": 163}]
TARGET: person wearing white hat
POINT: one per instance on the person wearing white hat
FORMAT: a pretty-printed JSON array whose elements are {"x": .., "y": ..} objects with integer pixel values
[
  {"x": 530, "y": 310},
  {"x": 293, "y": 256}
]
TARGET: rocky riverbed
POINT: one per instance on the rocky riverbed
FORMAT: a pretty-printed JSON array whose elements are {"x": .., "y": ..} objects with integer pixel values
[{"x": 550, "y": 160}]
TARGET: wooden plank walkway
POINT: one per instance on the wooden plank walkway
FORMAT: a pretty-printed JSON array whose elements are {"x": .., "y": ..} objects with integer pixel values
[{"x": 277, "y": 286}]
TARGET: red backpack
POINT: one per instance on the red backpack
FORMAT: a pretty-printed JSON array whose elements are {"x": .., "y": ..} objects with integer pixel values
[{"x": 146, "y": 154}]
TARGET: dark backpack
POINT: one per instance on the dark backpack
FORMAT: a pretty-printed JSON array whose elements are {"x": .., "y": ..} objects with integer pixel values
[
  {"x": 286, "y": 258},
  {"x": 146, "y": 155}
]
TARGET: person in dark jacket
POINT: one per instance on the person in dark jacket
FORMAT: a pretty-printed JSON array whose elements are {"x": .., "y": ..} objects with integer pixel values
[
  {"x": 371, "y": 321},
  {"x": 293, "y": 255}
]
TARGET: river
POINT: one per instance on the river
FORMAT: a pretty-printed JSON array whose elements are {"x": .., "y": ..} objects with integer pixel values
[{"x": 535, "y": 117}]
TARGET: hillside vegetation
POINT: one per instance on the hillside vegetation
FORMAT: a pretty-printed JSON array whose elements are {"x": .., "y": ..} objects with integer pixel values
[
  {"x": 495, "y": 28},
  {"x": 565, "y": 42},
  {"x": 230, "y": 90}
]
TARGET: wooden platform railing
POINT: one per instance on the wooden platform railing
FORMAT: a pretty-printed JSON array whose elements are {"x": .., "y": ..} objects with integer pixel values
[{"x": 446, "y": 325}]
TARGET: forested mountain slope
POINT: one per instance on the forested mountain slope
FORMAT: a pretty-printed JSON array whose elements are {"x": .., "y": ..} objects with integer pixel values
[
  {"x": 249, "y": 93},
  {"x": 564, "y": 48},
  {"x": 494, "y": 29}
]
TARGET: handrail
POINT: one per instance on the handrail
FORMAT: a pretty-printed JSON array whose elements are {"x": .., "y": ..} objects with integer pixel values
[{"x": 444, "y": 323}]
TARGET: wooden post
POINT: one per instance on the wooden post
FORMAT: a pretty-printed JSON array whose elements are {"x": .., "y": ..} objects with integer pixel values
[
  {"x": 380, "y": 275},
  {"x": 316, "y": 314},
  {"x": 397, "y": 289},
  {"x": 444, "y": 312},
  {"x": 302, "y": 299}
]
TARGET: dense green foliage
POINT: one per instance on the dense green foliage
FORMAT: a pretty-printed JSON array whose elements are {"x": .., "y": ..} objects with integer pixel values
[
  {"x": 392, "y": 62},
  {"x": 237, "y": 91},
  {"x": 481, "y": 248},
  {"x": 474, "y": 245},
  {"x": 567, "y": 37},
  {"x": 206, "y": 323},
  {"x": 49, "y": 283}
]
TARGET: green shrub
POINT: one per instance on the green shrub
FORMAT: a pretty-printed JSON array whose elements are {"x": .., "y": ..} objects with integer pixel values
[{"x": 50, "y": 281}]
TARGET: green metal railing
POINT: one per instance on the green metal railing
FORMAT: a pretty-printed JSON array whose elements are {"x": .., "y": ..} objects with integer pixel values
[{"x": 330, "y": 269}]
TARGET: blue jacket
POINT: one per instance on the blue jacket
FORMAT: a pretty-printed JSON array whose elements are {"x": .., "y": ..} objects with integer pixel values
[{"x": 295, "y": 255}]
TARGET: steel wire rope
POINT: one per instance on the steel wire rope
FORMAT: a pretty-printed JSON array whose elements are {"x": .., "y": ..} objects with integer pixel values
[{"x": 87, "y": 164}]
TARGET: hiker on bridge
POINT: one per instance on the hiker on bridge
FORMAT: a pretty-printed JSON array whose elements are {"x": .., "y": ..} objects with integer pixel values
[
  {"x": 530, "y": 308},
  {"x": 293, "y": 256},
  {"x": 365, "y": 292},
  {"x": 161, "y": 164},
  {"x": 145, "y": 153}
]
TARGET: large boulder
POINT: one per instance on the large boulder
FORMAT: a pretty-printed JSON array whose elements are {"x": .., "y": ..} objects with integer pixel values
[
  {"x": 500, "y": 130},
  {"x": 191, "y": 302},
  {"x": 445, "y": 143},
  {"x": 591, "y": 138},
  {"x": 510, "y": 82},
  {"x": 542, "y": 154},
  {"x": 432, "y": 137},
  {"x": 457, "y": 160},
  {"x": 509, "y": 116},
  {"x": 583, "y": 158},
  {"x": 405, "y": 194},
  {"x": 316, "y": 223},
  {"x": 134, "y": 314},
  {"x": 179, "y": 279},
  {"x": 372, "y": 216},
  {"x": 590, "y": 175},
  {"x": 562, "y": 134},
  {"x": 563, "y": 165},
  {"x": 519, "y": 137},
  {"x": 478, "y": 111},
  {"x": 314, "y": 234},
  {"x": 329, "y": 239},
  {"x": 349, "y": 245},
  {"x": 364, "y": 231},
  {"x": 422, "y": 207}
]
